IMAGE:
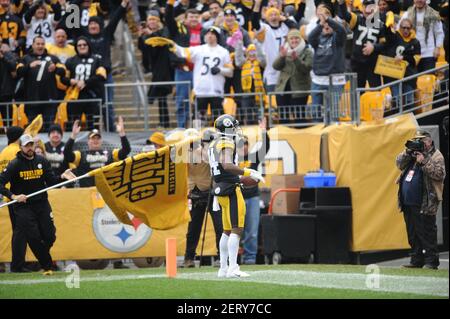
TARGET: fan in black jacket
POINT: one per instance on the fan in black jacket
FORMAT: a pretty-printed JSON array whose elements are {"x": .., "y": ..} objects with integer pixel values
[
  {"x": 8, "y": 62},
  {"x": 41, "y": 79},
  {"x": 86, "y": 73},
  {"x": 157, "y": 59},
  {"x": 96, "y": 156}
]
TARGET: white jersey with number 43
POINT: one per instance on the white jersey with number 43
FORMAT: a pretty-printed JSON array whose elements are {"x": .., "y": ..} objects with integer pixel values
[
  {"x": 205, "y": 57},
  {"x": 43, "y": 27}
]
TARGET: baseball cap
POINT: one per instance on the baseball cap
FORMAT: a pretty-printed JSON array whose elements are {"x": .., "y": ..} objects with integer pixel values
[
  {"x": 26, "y": 139},
  {"x": 422, "y": 134},
  {"x": 95, "y": 132}
]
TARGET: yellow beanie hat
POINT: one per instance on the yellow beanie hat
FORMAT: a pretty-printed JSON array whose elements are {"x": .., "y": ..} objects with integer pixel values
[
  {"x": 272, "y": 10},
  {"x": 158, "y": 138}
]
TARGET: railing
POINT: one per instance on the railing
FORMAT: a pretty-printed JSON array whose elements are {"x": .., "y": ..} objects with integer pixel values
[
  {"x": 137, "y": 76},
  {"x": 16, "y": 113},
  {"x": 338, "y": 103},
  {"x": 149, "y": 116},
  {"x": 400, "y": 97}
]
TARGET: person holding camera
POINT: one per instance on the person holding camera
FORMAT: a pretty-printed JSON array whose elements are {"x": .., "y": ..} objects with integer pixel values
[{"x": 421, "y": 185}]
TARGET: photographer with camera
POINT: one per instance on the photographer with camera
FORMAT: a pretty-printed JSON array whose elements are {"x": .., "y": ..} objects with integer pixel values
[{"x": 421, "y": 185}]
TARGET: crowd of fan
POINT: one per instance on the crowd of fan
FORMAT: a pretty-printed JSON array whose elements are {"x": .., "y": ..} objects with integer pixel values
[{"x": 269, "y": 45}]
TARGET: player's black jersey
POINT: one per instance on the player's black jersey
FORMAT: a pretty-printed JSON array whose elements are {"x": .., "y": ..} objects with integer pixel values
[{"x": 217, "y": 171}]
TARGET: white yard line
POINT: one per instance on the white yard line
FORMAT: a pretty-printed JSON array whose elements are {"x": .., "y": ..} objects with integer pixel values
[{"x": 433, "y": 286}]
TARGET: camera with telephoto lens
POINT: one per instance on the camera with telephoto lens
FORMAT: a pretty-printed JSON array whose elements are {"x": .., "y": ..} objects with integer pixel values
[{"x": 414, "y": 145}]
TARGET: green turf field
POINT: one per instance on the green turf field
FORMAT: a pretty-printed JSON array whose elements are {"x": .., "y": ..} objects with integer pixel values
[{"x": 265, "y": 281}]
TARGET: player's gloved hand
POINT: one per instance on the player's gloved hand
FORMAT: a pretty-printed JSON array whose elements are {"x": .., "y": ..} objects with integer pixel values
[
  {"x": 215, "y": 70},
  {"x": 257, "y": 176}
]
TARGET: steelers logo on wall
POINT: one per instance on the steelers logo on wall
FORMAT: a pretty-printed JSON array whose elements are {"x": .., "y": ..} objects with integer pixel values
[{"x": 118, "y": 237}]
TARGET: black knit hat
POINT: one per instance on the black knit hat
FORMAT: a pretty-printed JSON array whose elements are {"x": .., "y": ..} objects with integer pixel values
[
  {"x": 98, "y": 20},
  {"x": 13, "y": 133},
  {"x": 55, "y": 127},
  {"x": 216, "y": 31},
  {"x": 368, "y": 2}
]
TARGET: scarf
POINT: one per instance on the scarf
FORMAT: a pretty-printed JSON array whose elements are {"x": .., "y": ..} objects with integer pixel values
[
  {"x": 251, "y": 73},
  {"x": 298, "y": 50},
  {"x": 232, "y": 30},
  {"x": 431, "y": 16},
  {"x": 411, "y": 36}
]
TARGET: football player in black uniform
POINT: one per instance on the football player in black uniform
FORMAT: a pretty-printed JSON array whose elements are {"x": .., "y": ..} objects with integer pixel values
[
  {"x": 223, "y": 161},
  {"x": 368, "y": 40}
]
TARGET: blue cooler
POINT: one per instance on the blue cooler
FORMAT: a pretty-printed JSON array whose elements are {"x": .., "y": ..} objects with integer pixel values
[{"x": 320, "y": 179}]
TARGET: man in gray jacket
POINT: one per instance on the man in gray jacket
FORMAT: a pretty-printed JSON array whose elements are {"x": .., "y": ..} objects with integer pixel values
[{"x": 421, "y": 185}]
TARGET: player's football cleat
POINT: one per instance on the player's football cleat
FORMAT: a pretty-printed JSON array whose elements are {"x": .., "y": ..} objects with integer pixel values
[
  {"x": 236, "y": 273},
  {"x": 48, "y": 272},
  {"x": 222, "y": 272}
]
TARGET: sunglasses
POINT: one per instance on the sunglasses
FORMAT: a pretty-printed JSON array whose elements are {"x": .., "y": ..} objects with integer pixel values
[{"x": 405, "y": 28}]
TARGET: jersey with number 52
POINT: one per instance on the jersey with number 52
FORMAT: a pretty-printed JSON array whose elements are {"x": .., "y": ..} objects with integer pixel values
[
  {"x": 216, "y": 148},
  {"x": 204, "y": 58}
]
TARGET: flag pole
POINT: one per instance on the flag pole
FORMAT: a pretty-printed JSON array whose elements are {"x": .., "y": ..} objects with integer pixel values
[
  {"x": 206, "y": 219},
  {"x": 48, "y": 188}
]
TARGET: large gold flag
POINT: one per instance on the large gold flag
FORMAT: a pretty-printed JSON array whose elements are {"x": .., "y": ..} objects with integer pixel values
[{"x": 152, "y": 186}]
